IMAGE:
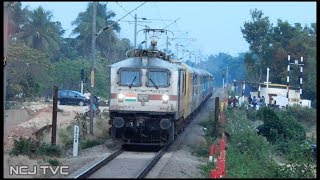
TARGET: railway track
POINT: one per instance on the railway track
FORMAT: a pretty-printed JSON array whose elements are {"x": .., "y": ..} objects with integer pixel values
[{"x": 127, "y": 164}]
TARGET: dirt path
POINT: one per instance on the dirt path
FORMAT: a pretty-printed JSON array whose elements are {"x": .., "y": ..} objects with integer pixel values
[{"x": 179, "y": 162}]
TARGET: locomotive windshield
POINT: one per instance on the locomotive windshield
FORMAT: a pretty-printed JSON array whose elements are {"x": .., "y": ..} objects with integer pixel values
[
  {"x": 130, "y": 77},
  {"x": 158, "y": 78}
]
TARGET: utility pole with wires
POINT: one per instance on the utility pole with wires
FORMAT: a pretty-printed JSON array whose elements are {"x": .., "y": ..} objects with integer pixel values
[
  {"x": 135, "y": 31},
  {"x": 177, "y": 48},
  {"x": 93, "y": 65}
]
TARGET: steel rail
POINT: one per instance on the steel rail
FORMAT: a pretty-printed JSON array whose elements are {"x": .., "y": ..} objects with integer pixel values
[
  {"x": 99, "y": 165},
  {"x": 143, "y": 173}
]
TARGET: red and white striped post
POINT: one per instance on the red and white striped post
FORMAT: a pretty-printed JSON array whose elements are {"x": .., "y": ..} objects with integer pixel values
[{"x": 211, "y": 153}]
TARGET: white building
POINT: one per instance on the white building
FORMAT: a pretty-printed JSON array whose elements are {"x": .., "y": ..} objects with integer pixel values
[{"x": 279, "y": 92}]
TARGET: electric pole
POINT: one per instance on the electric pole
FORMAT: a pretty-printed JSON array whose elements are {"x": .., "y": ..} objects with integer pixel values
[
  {"x": 135, "y": 31},
  {"x": 177, "y": 50},
  {"x": 5, "y": 51},
  {"x": 167, "y": 43},
  {"x": 146, "y": 38},
  {"x": 93, "y": 65}
]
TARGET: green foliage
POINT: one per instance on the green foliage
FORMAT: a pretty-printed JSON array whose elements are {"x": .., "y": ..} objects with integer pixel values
[
  {"x": 201, "y": 150},
  {"x": 250, "y": 155},
  {"x": 23, "y": 146},
  {"x": 83, "y": 29},
  {"x": 251, "y": 114},
  {"x": 270, "y": 46},
  {"x": 294, "y": 151},
  {"x": 54, "y": 162},
  {"x": 67, "y": 75},
  {"x": 49, "y": 150},
  {"x": 304, "y": 170},
  {"x": 236, "y": 122},
  {"x": 206, "y": 168},
  {"x": 247, "y": 151},
  {"x": 215, "y": 64},
  {"x": 40, "y": 32},
  {"x": 66, "y": 136},
  {"x": 30, "y": 147},
  {"x": 87, "y": 143},
  {"x": 304, "y": 115},
  {"x": 28, "y": 71},
  {"x": 81, "y": 121},
  {"x": 279, "y": 126}
]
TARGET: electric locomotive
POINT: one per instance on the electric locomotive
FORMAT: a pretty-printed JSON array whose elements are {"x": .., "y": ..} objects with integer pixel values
[{"x": 152, "y": 97}]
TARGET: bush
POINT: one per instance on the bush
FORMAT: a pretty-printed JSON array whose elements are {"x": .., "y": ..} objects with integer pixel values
[
  {"x": 304, "y": 170},
  {"x": 66, "y": 136},
  {"x": 90, "y": 143},
  {"x": 305, "y": 115},
  {"x": 251, "y": 114},
  {"x": 206, "y": 168},
  {"x": 54, "y": 162},
  {"x": 201, "y": 150},
  {"x": 23, "y": 146},
  {"x": 49, "y": 150},
  {"x": 294, "y": 151},
  {"x": 279, "y": 126}
]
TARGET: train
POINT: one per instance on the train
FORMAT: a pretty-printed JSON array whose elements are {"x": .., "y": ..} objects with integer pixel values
[{"x": 153, "y": 97}]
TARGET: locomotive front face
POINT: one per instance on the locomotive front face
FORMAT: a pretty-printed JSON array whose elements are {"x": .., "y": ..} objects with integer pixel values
[
  {"x": 143, "y": 101},
  {"x": 142, "y": 90}
]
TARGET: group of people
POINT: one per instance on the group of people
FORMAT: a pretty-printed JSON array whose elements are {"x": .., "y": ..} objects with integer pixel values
[{"x": 256, "y": 103}]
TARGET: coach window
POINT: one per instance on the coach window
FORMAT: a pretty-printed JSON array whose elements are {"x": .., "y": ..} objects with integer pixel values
[
  {"x": 158, "y": 78},
  {"x": 130, "y": 77}
]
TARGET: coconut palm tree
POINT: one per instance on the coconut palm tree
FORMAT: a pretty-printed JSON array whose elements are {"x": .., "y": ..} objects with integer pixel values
[
  {"x": 84, "y": 29},
  {"x": 41, "y": 33},
  {"x": 17, "y": 18}
]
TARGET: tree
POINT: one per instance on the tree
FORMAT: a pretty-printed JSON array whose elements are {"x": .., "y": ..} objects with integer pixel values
[
  {"x": 28, "y": 71},
  {"x": 17, "y": 18},
  {"x": 270, "y": 46},
  {"x": 256, "y": 34},
  {"x": 84, "y": 29},
  {"x": 41, "y": 33}
]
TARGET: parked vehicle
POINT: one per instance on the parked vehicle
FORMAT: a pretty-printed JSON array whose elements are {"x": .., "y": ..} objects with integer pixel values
[{"x": 71, "y": 98}]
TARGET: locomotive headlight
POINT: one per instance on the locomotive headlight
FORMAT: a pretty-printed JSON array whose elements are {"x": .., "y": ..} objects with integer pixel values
[
  {"x": 118, "y": 122},
  {"x": 165, "y": 97},
  {"x": 120, "y": 97},
  {"x": 165, "y": 124}
]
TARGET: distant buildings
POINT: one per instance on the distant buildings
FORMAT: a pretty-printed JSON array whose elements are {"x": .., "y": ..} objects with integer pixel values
[{"x": 277, "y": 94}]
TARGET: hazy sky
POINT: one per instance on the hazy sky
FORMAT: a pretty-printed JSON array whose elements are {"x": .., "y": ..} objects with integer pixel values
[{"x": 215, "y": 26}]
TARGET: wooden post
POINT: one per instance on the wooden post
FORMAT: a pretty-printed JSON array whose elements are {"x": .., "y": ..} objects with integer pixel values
[
  {"x": 54, "y": 116},
  {"x": 216, "y": 116}
]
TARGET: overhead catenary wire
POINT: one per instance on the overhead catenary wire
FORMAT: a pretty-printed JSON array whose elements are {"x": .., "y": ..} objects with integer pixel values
[
  {"x": 107, "y": 27},
  {"x": 159, "y": 13},
  {"x": 165, "y": 27},
  {"x": 125, "y": 9}
]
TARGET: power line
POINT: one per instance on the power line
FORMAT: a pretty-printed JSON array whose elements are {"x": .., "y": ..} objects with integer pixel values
[
  {"x": 107, "y": 27},
  {"x": 155, "y": 19},
  {"x": 125, "y": 9},
  {"x": 169, "y": 25},
  {"x": 159, "y": 13}
]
